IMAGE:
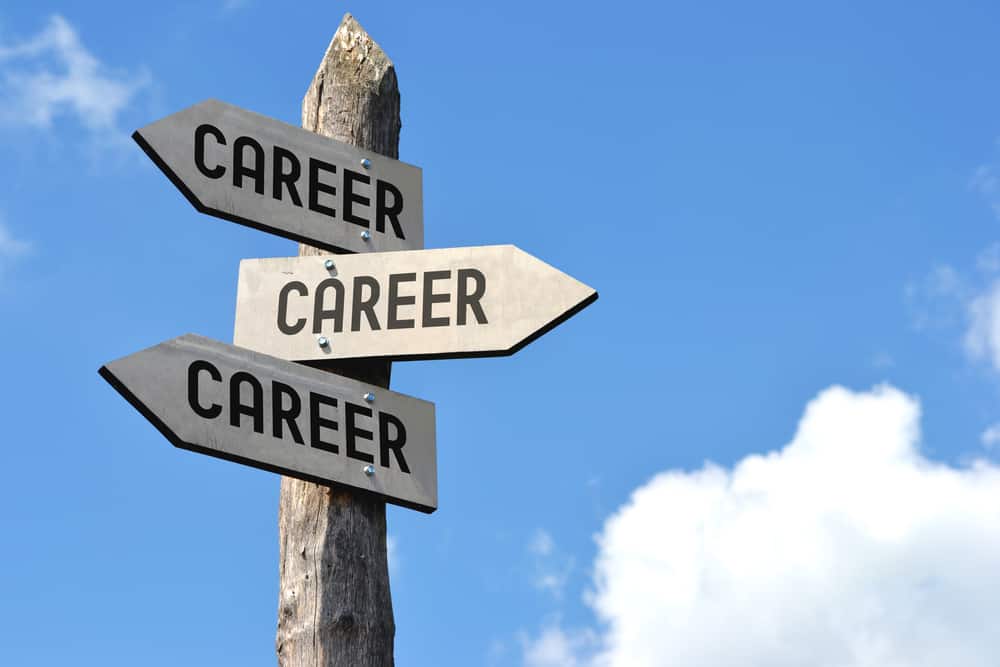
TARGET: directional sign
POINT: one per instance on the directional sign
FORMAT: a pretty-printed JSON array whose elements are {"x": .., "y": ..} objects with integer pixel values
[
  {"x": 242, "y": 406},
  {"x": 457, "y": 302},
  {"x": 260, "y": 172}
]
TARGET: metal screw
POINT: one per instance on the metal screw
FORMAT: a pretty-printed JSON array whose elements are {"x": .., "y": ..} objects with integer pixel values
[
  {"x": 370, "y": 397},
  {"x": 366, "y": 163},
  {"x": 328, "y": 264},
  {"x": 323, "y": 341},
  {"x": 366, "y": 235},
  {"x": 369, "y": 469}
]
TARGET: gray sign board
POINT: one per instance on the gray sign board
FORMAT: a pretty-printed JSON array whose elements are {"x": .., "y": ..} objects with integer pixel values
[
  {"x": 239, "y": 405},
  {"x": 260, "y": 172},
  {"x": 455, "y": 302}
]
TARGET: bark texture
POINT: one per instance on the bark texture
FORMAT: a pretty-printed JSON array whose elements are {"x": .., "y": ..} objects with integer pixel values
[{"x": 334, "y": 606}]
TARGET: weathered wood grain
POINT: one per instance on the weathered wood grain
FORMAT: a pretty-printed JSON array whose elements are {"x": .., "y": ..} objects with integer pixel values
[{"x": 334, "y": 606}]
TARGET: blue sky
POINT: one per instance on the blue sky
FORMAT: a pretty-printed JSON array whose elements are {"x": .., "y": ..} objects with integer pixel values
[{"x": 772, "y": 441}]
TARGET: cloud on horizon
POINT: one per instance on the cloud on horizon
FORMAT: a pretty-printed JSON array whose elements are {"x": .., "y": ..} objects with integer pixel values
[{"x": 845, "y": 548}]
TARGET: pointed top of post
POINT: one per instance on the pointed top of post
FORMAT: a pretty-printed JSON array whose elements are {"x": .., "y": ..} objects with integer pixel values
[
  {"x": 353, "y": 43},
  {"x": 355, "y": 79}
]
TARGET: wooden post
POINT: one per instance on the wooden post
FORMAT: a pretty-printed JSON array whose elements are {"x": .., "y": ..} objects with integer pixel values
[{"x": 334, "y": 606}]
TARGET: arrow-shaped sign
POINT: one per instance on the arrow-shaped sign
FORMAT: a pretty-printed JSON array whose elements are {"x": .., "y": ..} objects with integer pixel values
[
  {"x": 260, "y": 172},
  {"x": 250, "y": 408},
  {"x": 455, "y": 302}
]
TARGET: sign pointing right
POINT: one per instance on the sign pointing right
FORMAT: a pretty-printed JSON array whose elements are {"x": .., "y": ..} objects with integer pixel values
[{"x": 422, "y": 304}]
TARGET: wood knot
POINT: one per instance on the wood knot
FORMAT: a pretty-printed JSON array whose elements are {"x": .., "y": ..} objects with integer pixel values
[{"x": 345, "y": 622}]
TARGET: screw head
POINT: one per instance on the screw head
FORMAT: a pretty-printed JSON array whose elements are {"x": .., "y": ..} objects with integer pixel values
[
  {"x": 323, "y": 341},
  {"x": 366, "y": 163},
  {"x": 366, "y": 235},
  {"x": 328, "y": 264},
  {"x": 369, "y": 470},
  {"x": 369, "y": 397}
]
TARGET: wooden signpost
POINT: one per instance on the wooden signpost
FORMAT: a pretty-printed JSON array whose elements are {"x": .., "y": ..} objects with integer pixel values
[{"x": 344, "y": 443}]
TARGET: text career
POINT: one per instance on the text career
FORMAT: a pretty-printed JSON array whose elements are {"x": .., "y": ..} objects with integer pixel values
[
  {"x": 406, "y": 301},
  {"x": 305, "y": 181},
  {"x": 337, "y": 426}
]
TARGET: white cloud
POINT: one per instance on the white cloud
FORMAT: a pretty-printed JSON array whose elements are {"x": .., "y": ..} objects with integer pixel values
[
  {"x": 846, "y": 548},
  {"x": 991, "y": 436},
  {"x": 986, "y": 182},
  {"x": 542, "y": 543},
  {"x": 982, "y": 339},
  {"x": 552, "y": 567},
  {"x": 11, "y": 247},
  {"x": 555, "y": 648},
  {"x": 950, "y": 299},
  {"x": 52, "y": 74}
]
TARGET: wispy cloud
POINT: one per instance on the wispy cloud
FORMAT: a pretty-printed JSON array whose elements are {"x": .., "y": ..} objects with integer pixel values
[
  {"x": 52, "y": 75},
  {"x": 11, "y": 248},
  {"x": 991, "y": 436},
  {"x": 552, "y": 568},
  {"x": 986, "y": 181},
  {"x": 541, "y": 544},
  {"x": 982, "y": 339},
  {"x": 969, "y": 301},
  {"x": 555, "y": 647}
]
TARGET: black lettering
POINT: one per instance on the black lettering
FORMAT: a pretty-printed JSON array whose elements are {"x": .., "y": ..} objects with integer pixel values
[
  {"x": 316, "y": 422},
  {"x": 336, "y": 313},
  {"x": 430, "y": 298},
  {"x": 353, "y": 432},
  {"x": 316, "y": 187},
  {"x": 367, "y": 306},
  {"x": 350, "y": 197},
  {"x": 282, "y": 178},
  {"x": 218, "y": 171},
  {"x": 214, "y": 410},
  {"x": 385, "y": 443},
  {"x": 283, "y": 325},
  {"x": 240, "y": 169},
  {"x": 383, "y": 210},
  {"x": 395, "y": 300},
  {"x": 287, "y": 415},
  {"x": 467, "y": 299},
  {"x": 237, "y": 407}
]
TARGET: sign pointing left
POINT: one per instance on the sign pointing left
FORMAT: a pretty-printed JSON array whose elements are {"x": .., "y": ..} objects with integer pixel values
[
  {"x": 250, "y": 408},
  {"x": 260, "y": 172}
]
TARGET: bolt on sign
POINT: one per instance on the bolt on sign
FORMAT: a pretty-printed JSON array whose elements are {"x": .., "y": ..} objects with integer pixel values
[
  {"x": 453, "y": 302},
  {"x": 247, "y": 407},
  {"x": 260, "y": 172}
]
